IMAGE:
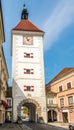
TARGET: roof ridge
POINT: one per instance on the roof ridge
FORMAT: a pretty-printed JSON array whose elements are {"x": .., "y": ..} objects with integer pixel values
[{"x": 61, "y": 73}]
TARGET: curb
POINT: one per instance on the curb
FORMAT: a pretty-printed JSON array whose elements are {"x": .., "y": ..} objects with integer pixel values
[{"x": 57, "y": 126}]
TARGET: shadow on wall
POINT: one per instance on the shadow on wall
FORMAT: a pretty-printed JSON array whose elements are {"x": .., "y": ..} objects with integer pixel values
[{"x": 20, "y": 100}]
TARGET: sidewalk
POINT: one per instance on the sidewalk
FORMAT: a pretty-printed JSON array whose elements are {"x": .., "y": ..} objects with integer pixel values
[{"x": 57, "y": 124}]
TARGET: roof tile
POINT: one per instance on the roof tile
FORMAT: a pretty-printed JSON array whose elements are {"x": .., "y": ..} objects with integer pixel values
[{"x": 26, "y": 25}]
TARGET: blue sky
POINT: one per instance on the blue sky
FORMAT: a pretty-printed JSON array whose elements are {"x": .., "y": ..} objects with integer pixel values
[{"x": 56, "y": 19}]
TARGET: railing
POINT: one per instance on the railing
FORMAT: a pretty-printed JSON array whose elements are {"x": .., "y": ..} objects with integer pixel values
[{"x": 52, "y": 105}]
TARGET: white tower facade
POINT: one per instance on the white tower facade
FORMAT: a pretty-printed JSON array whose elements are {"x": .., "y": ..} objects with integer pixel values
[{"x": 28, "y": 84}]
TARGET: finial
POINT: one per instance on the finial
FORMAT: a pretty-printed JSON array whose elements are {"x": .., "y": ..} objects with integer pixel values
[{"x": 24, "y": 14}]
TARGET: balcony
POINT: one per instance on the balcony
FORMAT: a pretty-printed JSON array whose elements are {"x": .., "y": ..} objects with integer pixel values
[{"x": 52, "y": 105}]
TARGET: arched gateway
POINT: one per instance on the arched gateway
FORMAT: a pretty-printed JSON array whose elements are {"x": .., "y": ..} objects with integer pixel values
[{"x": 33, "y": 107}]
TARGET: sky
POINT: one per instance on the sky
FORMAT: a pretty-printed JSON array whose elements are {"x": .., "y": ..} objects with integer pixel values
[{"x": 56, "y": 19}]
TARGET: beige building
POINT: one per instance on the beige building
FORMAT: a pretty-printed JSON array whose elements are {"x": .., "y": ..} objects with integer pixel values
[
  {"x": 63, "y": 85},
  {"x": 51, "y": 105},
  {"x": 1, "y": 26},
  {"x": 3, "y": 73},
  {"x": 9, "y": 101}
]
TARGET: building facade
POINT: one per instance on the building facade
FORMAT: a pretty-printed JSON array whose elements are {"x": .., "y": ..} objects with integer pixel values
[
  {"x": 1, "y": 26},
  {"x": 9, "y": 102},
  {"x": 51, "y": 105},
  {"x": 3, "y": 73},
  {"x": 28, "y": 70},
  {"x": 63, "y": 85},
  {"x": 3, "y": 88}
]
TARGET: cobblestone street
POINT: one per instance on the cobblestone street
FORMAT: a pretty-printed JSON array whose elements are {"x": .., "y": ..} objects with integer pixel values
[
  {"x": 29, "y": 126},
  {"x": 10, "y": 126},
  {"x": 38, "y": 126}
]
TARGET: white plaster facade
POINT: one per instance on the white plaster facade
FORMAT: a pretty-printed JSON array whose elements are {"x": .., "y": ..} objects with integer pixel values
[{"x": 20, "y": 79}]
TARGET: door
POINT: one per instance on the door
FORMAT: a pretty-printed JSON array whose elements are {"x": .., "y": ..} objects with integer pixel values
[{"x": 65, "y": 117}]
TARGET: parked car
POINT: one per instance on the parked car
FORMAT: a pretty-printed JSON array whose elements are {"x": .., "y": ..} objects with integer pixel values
[{"x": 71, "y": 126}]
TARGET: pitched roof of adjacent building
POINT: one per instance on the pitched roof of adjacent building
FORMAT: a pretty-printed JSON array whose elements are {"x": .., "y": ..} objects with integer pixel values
[
  {"x": 26, "y": 25},
  {"x": 64, "y": 72}
]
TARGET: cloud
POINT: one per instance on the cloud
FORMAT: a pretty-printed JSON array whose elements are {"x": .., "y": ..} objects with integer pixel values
[{"x": 61, "y": 17}]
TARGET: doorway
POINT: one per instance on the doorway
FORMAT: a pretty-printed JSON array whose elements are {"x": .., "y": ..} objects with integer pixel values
[
  {"x": 65, "y": 117},
  {"x": 29, "y": 109},
  {"x": 28, "y": 112}
]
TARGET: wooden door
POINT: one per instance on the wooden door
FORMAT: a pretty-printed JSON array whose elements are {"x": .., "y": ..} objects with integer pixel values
[{"x": 65, "y": 117}]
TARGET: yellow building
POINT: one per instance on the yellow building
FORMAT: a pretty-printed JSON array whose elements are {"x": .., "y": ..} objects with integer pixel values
[
  {"x": 3, "y": 73},
  {"x": 2, "y": 38}
]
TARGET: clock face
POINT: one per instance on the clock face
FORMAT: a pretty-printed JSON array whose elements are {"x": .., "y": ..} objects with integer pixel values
[{"x": 28, "y": 40}]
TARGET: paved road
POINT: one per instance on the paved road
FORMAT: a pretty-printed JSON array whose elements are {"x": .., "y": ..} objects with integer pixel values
[
  {"x": 35, "y": 126},
  {"x": 29, "y": 126},
  {"x": 10, "y": 126}
]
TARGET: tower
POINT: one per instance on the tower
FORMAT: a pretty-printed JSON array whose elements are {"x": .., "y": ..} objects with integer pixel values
[{"x": 28, "y": 69}]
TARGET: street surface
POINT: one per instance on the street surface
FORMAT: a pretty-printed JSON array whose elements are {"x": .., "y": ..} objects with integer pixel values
[
  {"x": 37, "y": 126},
  {"x": 29, "y": 126},
  {"x": 10, "y": 126}
]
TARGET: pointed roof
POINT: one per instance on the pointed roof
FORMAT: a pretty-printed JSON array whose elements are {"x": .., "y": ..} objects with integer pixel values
[{"x": 26, "y": 25}]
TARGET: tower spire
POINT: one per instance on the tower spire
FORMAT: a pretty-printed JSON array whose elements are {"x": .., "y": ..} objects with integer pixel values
[{"x": 24, "y": 14}]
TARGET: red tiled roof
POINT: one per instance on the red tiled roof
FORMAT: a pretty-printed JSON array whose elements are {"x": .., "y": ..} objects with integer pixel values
[
  {"x": 62, "y": 73},
  {"x": 26, "y": 25}
]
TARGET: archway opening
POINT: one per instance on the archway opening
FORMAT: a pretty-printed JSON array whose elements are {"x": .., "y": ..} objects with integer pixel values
[
  {"x": 52, "y": 116},
  {"x": 28, "y": 112}
]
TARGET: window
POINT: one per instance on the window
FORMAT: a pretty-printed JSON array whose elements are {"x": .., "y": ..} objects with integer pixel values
[
  {"x": 60, "y": 89},
  {"x": 9, "y": 102},
  {"x": 28, "y": 55},
  {"x": 50, "y": 101},
  {"x": 69, "y": 85},
  {"x": 28, "y": 71},
  {"x": 28, "y": 88},
  {"x": 70, "y": 100},
  {"x": 62, "y": 102}
]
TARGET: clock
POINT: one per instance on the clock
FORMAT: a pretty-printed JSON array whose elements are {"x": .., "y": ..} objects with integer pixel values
[{"x": 28, "y": 40}]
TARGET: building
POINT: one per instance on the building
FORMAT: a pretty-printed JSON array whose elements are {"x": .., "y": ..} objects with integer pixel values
[
  {"x": 63, "y": 85},
  {"x": 51, "y": 105},
  {"x": 9, "y": 101},
  {"x": 3, "y": 73},
  {"x": 3, "y": 88},
  {"x": 2, "y": 36},
  {"x": 28, "y": 70}
]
